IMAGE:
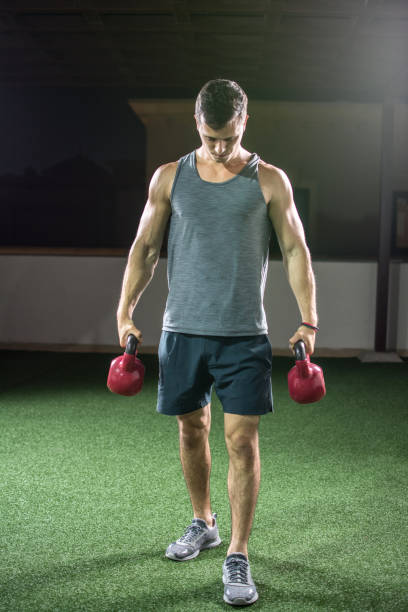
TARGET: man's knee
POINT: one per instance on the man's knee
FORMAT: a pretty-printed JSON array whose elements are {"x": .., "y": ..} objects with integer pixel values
[
  {"x": 194, "y": 427},
  {"x": 242, "y": 445},
  {"x": 241, "y": 436}
]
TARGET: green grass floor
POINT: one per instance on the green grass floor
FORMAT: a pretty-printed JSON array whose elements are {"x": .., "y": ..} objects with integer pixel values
[{"x": 92, "y": 493}]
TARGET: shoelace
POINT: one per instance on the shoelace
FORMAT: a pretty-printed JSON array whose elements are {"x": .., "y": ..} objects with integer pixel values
[
  {"x": 237, "y": 571},
  {"x": 190, "y": 533}
]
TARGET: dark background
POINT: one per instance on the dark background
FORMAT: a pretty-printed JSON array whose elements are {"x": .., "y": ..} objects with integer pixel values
[{"x": 73, "y": 173}]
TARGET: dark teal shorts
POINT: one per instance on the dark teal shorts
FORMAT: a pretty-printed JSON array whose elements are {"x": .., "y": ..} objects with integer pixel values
[{"x": 238, "y": 366}]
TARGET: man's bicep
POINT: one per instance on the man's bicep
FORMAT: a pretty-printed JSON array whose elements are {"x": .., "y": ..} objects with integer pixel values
[
  {"x": 156, "y": 213},
  {"x": 285, "y": 217}
]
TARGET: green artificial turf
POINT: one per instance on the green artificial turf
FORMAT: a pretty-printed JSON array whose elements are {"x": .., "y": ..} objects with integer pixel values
[{"x": 92, "y": 493}]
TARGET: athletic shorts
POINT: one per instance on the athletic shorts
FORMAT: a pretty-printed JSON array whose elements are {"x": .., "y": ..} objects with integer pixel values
[{"x": 238, "y": 366}]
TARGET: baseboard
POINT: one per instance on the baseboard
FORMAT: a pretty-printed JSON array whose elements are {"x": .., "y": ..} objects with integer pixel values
[
  {"x": 72, "y": 348},
  {"x": 152, "y": 350}
]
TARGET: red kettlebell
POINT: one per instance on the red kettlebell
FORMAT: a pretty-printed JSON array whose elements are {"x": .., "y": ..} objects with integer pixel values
[
  {"x": 305, "y": 379},
  {"x": 126, "y": 372}
]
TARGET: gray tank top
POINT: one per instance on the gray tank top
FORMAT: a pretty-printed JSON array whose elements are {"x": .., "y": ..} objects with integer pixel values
[{"x": 218, "y": 250}]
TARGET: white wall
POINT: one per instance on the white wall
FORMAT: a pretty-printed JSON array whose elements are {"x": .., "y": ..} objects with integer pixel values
[{"x": 73, "y": 300}]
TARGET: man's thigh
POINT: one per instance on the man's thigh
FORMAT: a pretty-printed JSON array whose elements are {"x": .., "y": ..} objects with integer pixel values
[
  {"x": 241, "y": 426},
  {"x": 198, "y": 419}
]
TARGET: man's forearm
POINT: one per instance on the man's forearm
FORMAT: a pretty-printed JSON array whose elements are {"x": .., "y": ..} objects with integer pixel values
[
  {"x": 298, "y": 266},
  {"x": 138, "y": 274}
]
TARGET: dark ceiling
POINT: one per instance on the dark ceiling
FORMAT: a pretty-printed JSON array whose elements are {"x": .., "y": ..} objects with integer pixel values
[{"x": 277, "y": 49}]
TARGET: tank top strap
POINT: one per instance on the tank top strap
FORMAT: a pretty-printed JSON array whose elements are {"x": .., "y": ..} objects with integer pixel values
[{"x": 249, "y": 170}]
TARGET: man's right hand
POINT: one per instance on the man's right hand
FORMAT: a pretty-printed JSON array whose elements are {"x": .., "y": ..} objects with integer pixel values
[{"x": 126, "y": 327}]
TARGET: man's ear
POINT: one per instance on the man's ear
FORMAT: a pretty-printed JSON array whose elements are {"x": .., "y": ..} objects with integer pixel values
[{"x": 246, "y": 119}]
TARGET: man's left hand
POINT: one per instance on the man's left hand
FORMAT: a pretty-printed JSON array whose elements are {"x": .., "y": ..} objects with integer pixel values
[{"x": 307, "y": 335}]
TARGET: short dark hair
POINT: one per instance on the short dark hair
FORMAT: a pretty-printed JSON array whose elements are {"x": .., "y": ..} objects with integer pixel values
[{"x": 219, "y": 101}]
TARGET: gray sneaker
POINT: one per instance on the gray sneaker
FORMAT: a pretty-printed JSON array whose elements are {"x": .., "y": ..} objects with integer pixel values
[
  {"x": 239, "y": 589},
  {"x": 197, "y": 536}
]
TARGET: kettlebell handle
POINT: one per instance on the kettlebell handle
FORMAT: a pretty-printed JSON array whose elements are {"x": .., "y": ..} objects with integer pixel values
[
  {"x": 131, "y": 345},
  {"x": 300, "y": 350}
]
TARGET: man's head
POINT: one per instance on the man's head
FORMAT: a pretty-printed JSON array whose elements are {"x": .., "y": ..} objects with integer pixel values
[
  {"x": 221, "y": 116},
  {"x": 220, "y": 101}
]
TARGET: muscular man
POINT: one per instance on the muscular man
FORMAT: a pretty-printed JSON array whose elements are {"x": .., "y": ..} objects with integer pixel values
[{"x": 223, "y": 201}]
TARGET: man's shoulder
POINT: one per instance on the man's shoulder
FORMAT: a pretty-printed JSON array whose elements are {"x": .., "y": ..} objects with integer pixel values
[
  {"x": 166, "y": 170},
  {"x": 164, "y": 175},
  {"x": 273, "y": 179},
  {"x": 271, "y": 172}
]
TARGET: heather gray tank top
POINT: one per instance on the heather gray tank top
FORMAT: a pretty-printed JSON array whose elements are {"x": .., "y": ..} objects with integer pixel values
[{"x": 218, "y": 251}]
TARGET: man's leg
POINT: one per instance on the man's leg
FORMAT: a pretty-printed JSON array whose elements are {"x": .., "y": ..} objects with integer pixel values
[
  {"x": 195, "y": 456},
  {"x": 241, "y": 437}
]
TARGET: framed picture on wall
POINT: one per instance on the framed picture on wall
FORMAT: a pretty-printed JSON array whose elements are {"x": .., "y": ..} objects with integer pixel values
[{"x": 399, "y": 245}]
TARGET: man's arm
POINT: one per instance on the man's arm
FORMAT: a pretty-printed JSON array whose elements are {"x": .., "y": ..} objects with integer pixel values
[
  {"x": 296, "y": 256},
  {"x": 145, "y": 250}
]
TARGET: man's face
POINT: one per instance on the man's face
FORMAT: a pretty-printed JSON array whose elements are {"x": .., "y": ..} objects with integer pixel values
[{"x": 222, "y": 145}]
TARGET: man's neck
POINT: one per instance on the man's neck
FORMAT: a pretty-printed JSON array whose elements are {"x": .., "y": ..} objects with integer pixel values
[{"x": 239, "y": 158}]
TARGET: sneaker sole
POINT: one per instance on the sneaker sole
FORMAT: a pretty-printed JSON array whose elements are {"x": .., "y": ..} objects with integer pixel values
[
  {"x": 195, "y": 554},
  {"x": 239, "y": 601}
]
